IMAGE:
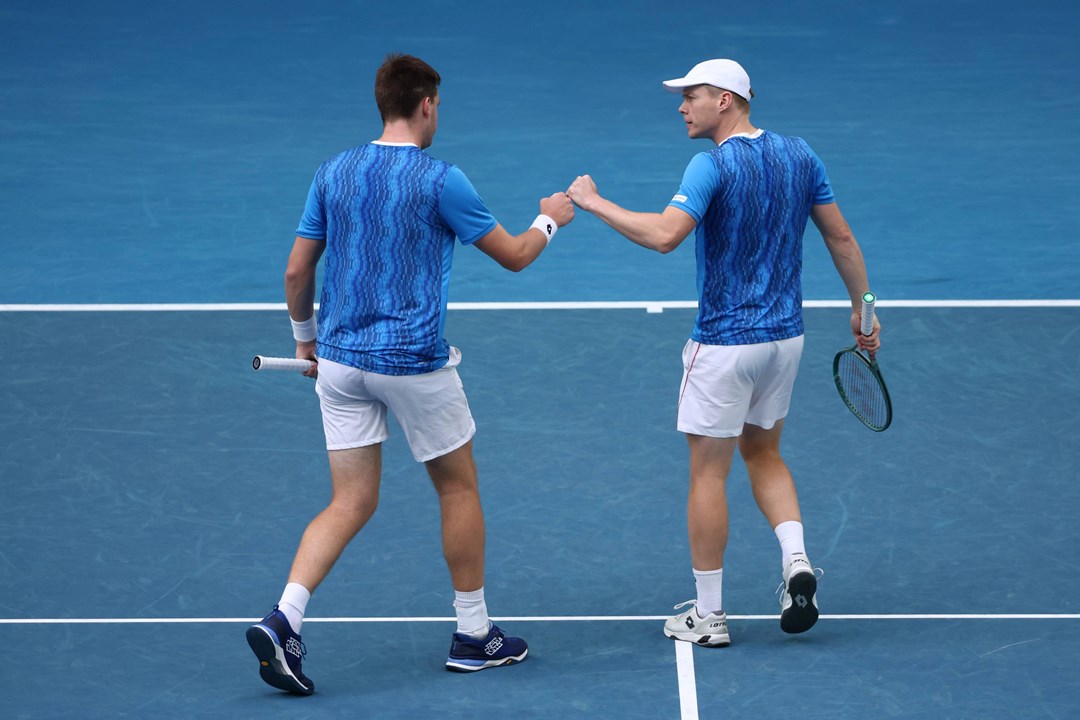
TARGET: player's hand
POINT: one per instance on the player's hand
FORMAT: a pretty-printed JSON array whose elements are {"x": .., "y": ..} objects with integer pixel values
[
  {"x": 306, "y": 351},
  {"x": 867, "y": 343},
  {"x": 559, "y": 208},
  {"x": 583, "y": 192}
]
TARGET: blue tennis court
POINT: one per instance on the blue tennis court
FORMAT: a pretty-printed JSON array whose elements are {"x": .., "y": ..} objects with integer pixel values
[{"x": 153, "y": 167}]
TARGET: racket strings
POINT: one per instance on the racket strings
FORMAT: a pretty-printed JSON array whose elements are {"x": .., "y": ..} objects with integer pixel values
[{"x": 862, "y": 390}]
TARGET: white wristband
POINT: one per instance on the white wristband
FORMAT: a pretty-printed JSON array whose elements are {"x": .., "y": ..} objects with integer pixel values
[
  {"x": 304, "y": 331},
  {"x": 546, "y": 225}
]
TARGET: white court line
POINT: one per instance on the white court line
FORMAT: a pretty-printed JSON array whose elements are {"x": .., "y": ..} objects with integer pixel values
[
  {"x": 651, "y": 306},
  {"x": 684, "y": 664},
  {"x": 534, "y": 618},
  {"x": 684, "y": 658}
]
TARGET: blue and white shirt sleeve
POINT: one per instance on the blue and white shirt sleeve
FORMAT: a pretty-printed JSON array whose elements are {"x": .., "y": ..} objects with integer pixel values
[
  {"x": 313, "y": 221},
  {"x": 823, "y": 194},
  {"x": 699, "y": 184},
  {"x": 461, "y": 208}
]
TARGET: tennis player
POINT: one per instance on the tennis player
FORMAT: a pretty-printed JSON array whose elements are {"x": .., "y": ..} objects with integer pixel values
[
  {"x": 748, "y": 199},
  {"x": 386, "y": 215}
]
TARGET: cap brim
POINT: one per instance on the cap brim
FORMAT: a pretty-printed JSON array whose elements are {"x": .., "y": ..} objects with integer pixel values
[{"x": 678, "y": 84}]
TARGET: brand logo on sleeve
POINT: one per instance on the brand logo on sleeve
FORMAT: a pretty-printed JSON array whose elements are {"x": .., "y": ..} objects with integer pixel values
[{"x": 679, "y": 199}]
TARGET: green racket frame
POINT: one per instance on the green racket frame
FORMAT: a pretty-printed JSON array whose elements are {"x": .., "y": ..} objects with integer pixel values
[
  {"x": 876, "y": 373},
  {"x": 869, "y": 300}
]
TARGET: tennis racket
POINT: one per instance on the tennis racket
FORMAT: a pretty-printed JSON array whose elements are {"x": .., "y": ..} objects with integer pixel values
[
  {"x": 261, "y": 362},
  {"x": 859, "y": 379}
]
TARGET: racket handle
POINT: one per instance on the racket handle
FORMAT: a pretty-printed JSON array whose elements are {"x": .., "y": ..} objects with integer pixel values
[
  {"x": 868, "y": 300},
  {"x": 261, "y": 362}
]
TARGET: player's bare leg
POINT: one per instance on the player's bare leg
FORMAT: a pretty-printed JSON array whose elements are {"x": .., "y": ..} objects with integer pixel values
[
  {"x": 355, "y": 476},
  {"x": 455, "y": 480},
  {"x": 770, "y": 479},
  {"x": 276, "y": 639},
  {"x": 478, "y": 643},
  {"x": 775, "y": 493},
  {"x": 705, "y": 623},
  {"x": 707, "y": 512}
]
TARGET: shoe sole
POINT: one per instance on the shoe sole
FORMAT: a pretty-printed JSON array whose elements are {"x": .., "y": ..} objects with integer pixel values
[
  {"x": 702, "y": 640},
  {"x": 273, "y": 668},
  {"x": 802, "y": 613},
  {"x": 463, "y": 666}
]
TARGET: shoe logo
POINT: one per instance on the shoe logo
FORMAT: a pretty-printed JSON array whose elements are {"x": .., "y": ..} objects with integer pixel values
[
  {"x": 493, "y": 647},
  {"x": 800, "y": 600},
  {"x": 718, "y": 624},
  {"x": 689, "y": 622},
  {"x": 292, "y": 646}
]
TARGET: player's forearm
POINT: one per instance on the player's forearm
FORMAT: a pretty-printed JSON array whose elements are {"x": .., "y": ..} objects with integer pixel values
[
  {"x": 300, "y": 277},
  {"x": 528, "y": 246},
  {"x": 300, "y": 292},
  {"x": 645, "y": 229},
  {"x": 849, "y": 262}
]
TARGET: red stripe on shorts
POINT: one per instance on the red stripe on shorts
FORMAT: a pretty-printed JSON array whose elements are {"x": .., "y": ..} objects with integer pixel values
[{"x": 682, "y": 391}]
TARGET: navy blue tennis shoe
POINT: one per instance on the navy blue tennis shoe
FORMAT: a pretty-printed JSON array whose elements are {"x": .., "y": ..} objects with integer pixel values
[
  {"x": 469, "y": 654},
  {"x": 280, "y": 652}
]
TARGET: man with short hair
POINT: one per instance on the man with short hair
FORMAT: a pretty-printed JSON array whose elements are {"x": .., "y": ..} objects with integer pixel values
[
  {"x": 749, "y": 199},
  {"x": 386, "y": 216}
]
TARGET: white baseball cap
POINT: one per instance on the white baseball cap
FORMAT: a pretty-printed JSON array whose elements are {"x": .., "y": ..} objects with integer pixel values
[{"x": 725, "y": 74}]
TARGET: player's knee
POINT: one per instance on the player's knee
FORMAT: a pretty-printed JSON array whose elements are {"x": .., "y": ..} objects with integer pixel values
[
  {"x": 355, "y": 511},
  {"x": 760, "y": 454}
]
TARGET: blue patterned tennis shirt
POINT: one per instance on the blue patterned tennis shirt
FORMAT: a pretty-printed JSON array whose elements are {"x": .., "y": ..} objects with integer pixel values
[
  {"x": 389, "y": 215},
  {"x": 751, "y": 197}
]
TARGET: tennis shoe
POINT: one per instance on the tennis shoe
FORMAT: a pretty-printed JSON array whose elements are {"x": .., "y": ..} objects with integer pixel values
[
  {"x": 798, "y": 601},
  {"x": 469, "y": 654},
  {"x": 280, "y": 652},
  {"x": 710, "y": 631}
]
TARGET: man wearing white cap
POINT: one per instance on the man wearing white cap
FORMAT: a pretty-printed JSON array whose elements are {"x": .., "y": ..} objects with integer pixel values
[{"x": 749, "y": 199}]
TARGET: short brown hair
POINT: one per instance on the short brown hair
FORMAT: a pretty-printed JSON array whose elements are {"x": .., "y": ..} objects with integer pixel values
[
  {"x": 736, "y": 99},
  {"x": 402, "y": 83}
]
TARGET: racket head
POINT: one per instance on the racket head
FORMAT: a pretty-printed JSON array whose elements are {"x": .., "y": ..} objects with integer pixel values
[{"x": 862, "y": 389}]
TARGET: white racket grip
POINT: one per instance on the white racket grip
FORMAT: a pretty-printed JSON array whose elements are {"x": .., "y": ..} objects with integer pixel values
[
  {"x": 261, "y": 362},
  {"x": 868, "y": 300}
]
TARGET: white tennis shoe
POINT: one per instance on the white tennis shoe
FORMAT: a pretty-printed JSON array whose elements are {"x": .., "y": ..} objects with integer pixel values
[
  {"x": 798, "y": 601},
  {"x": 710, "y": 631}
]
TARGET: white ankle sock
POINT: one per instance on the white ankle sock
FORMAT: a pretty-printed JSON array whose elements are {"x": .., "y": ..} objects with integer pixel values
[
  {"x": 710, "y": 584},
  {"x": 790, "y": 535},
  {"x": 293, "y": 604},
  {"x": 471, "y": 610}
]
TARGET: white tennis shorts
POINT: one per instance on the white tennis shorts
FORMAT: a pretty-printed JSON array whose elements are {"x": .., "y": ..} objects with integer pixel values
[
  {"x": 727, "y": 386},
  {"x": 431, "y": 408}
]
